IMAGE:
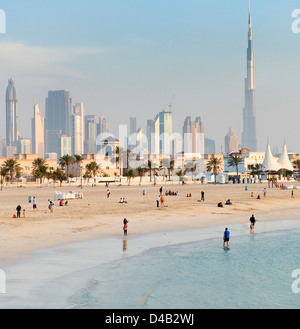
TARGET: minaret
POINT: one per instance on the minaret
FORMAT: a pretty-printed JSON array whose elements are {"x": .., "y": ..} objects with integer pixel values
[{"x": 249, "y": 139}]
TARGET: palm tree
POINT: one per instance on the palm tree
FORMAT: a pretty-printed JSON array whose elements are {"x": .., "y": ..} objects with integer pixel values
[
  {"x": 129, "y": 174},
  {"x": 235, "y": 161},
  {"x": 40, "y": 168},
  {"x": 3, "y": 174},
  {"x": 66, "y": 161},
  {"x": 60, "y": 175},
  {"x": 120, "y": 157},
  {"x": 93, "y": 168},
  {"x": 180, "y": 174},
  {"x": 54, "y": 176},
  {"x": 78, "y": 160},
  {"x": 214, "y": 166},
  {"x": 12, "y": 166},
  {"x": 256, "y": 170},
  {"x": 192, "y": 167},
  {"x": 141, "y": 172}
]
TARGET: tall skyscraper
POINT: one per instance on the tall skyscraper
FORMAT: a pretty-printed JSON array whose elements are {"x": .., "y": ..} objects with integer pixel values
[
  {"x": 37, "y": 132},
  {"x": 102, "y": 127},
  {"x": 57, "y": 118},
  {"x": 193, "y": 135},
  {"x": 166, "y": 132},
  {"x": 78, "y": 129},
  {"x": 249, "y": 139},
  {"x": 91, "y": 122},
  {"x": 231, "y": 142},
  {"x": 12, "y": 134},
  {"x": 133, "y": 126}
]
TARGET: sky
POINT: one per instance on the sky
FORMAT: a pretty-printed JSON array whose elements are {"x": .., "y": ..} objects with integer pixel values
[{"x": 132, "y": 58}]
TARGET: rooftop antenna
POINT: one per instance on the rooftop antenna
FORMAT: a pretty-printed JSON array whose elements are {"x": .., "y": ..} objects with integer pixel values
[{"x": 171, "y": 103}]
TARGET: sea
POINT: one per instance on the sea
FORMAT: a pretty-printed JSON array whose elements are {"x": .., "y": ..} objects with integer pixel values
[{"x": 170, "y": 270}]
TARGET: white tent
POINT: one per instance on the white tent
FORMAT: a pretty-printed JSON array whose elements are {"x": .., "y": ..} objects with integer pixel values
[
  {"x": 284, "y": 161},
  {"x": 270, "y": 163}
]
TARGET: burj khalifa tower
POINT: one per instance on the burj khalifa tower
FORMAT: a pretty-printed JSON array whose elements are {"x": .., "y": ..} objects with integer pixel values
[{"x": 249, "y": 139}]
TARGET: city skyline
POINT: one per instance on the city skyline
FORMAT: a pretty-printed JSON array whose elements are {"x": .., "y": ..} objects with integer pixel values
[{"x": 195, "y": 75}]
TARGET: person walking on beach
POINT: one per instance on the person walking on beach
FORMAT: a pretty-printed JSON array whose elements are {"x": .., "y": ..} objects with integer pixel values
[
  {"x": 108, "y": 193},
  {"x": 252, "y": 224},
  {"x": 160, "y": 191},
  {"x": 50, "y": 207},
  {"x": 34, "y": 203},
  {"x": 125, "y": 226},
  {"x": 19, "y": 208},
  {"x": 202, "y": 196},
  {"x": 226, "y": 238},
  {"x": 157, "y": 201},
  {"x": 265, "y": 192},
  {"x": 292, "y": 194}
]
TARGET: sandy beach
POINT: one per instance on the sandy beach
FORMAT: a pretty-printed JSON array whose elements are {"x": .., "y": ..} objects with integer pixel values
[{"x": 96, "y": 216}]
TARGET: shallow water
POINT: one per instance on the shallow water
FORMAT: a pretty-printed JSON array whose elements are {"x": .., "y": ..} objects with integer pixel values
[
  {"x": 255, "y": 273},
  {"x": 188, "y": 269}
]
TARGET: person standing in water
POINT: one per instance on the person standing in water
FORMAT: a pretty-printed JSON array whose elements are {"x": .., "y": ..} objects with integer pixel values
[
  {"x": 125, "y": 227},
  {"x": 252, "y": 225},
  {"x": 226, "y": 238}
]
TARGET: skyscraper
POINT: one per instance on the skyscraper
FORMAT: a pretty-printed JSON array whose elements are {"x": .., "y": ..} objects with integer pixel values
[
  {"x": 193, "y": 135},
  {"x": 231, "y": 142},
  {"x": 166, "y": 132},
  {"x": 133, "y": 127},
  {"x": 249, "y": 139},
  {"x": 57, "y": 118},
  {"x": 102, "y": 127},
  {"x": 37, "y": 132},
  {"x": 78, "y": 127},
  {"x": 90, "y": 134},
  {"x": 11, "y": 114}
]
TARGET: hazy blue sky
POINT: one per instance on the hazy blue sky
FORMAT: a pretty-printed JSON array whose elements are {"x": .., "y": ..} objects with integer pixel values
[{"x": 127, "y": 58}]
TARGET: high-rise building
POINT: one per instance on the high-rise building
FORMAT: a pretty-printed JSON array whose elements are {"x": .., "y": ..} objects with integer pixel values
[
  {"x": 166, "y": 132},
  {"x": 24, "y": 146},
  {"x": 37, "y": 132},
  {"x": 210, "y": 146},
  {"x": 12, "y": 134},
  {"x": 231, "y": 142},
  {"x": 90, "y": 146},
  {"x": 65, "y": 145},
  {"x": 102, "y": 127},
  {"x": 249, "y": 139},
  {"x": 1, "y": 147},
  {"x": 78, "y": 129},
  {"x": 133, "y": 126},
  {"x": 193, "y": 136},
  {"x": 57, "y": 118}
]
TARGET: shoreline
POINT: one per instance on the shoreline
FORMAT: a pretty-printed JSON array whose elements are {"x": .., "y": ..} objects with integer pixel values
[
  {"x": 38, "y": 280},
  {"x": 96, "y": 217}
]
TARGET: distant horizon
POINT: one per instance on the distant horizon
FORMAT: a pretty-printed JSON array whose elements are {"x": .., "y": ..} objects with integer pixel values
[{"x": 134, "y": 59}]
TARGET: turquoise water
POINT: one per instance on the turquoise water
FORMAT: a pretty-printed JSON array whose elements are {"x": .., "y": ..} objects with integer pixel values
[{"x": 256, "y": 272}]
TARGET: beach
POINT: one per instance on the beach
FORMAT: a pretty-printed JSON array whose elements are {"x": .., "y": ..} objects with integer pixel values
[{"x": 98, "y": 217}]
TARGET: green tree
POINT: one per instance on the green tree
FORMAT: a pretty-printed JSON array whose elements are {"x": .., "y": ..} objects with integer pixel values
[
  {"x": 141, "y": 172},
  {"x": 40, "y": 168},
  {"x": 3, "y": 174},
  {"x": 214, "y": 166},
  {"x": 93, "y": 168},
  {"x": 65, "y": 162},
  {"x": 235, "y": 161},
  {"x": 12, "y": 166}
]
